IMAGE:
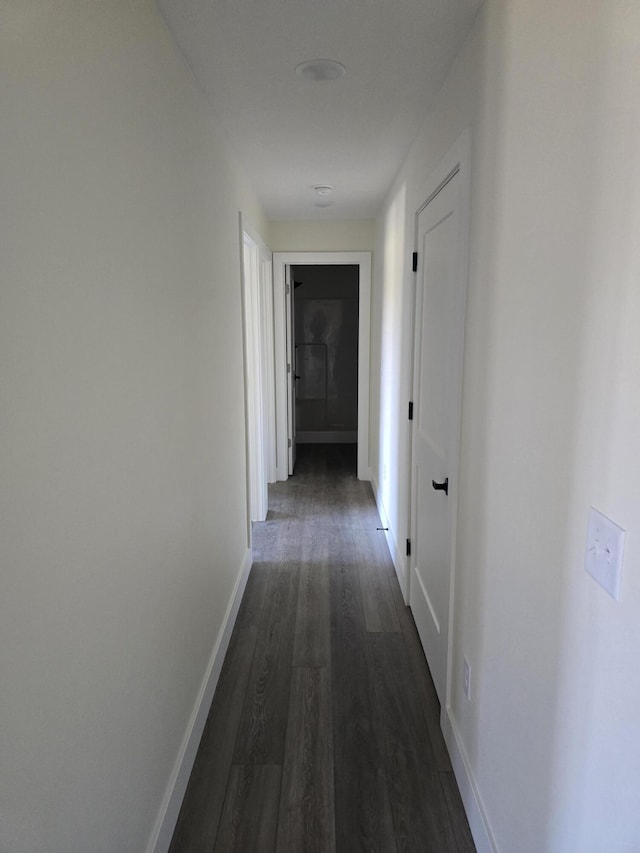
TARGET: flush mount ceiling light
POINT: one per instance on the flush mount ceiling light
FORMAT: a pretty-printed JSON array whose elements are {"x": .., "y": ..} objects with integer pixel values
[
  {"x": 320, "y": 69},
  {"x": 323, "y": 189}
]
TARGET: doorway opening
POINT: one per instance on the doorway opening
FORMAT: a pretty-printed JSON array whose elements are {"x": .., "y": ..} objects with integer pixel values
[
  {"x": 322, "y": 337},
  {"x": 325, "y": 347}
]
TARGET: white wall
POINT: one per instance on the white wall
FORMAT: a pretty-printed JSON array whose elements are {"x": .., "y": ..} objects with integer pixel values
[
  {"x": 551, "y": 413},
  {"x": 349, "y": 235},
  {"x": 122, "y": 492}
]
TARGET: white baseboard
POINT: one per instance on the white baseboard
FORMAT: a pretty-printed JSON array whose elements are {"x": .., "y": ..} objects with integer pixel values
[
  {"x": 471, "y": 799},
  {"x": 164, "y": 827},
  {"x": 399, "y": 560},
  {"x": 364, "y": 474}
]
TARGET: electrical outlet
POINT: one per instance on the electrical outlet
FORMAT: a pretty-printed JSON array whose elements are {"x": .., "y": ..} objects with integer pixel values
[
  {"x": 466, "y": 679},
  {"x": 605, "y": 544}
]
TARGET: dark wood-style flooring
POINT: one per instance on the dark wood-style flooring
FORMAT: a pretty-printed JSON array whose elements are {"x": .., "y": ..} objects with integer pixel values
[{"x": 324, "y": 733}]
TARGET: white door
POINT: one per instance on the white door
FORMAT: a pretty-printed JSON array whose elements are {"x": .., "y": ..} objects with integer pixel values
[
  {"x": 439, "y": 334},
  {"x": 291, "y": 367}
]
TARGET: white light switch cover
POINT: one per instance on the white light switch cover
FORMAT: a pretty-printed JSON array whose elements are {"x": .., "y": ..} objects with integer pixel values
[{"x": 605, "y": 544}]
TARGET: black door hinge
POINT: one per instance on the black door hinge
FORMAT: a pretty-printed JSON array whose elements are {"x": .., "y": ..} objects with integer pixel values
[
  {"x": 408, "y": 547},
  {"x": 410, "y": 410},
  {"x": 415, "y": 262}
]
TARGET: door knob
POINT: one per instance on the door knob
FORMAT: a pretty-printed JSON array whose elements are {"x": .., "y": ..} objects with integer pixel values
[{"x": 441, "y": 487}]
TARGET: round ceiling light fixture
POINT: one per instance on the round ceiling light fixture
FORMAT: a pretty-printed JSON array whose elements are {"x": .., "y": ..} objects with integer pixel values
[
  {"x": 320, "y": 70},
  {"x": 323, "y": 189}
]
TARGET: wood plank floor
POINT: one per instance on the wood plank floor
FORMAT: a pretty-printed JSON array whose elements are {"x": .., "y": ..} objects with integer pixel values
[{"x": 323, "y": 734}]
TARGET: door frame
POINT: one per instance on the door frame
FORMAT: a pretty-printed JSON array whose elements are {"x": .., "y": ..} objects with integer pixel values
[
  {"x": 255, "y": 266},
  {"x": 292, "y": 368},
  {"x": 283, "y": 358},
  {"x": 457, "y": 160},
  {"x": 268, "y": 360}
]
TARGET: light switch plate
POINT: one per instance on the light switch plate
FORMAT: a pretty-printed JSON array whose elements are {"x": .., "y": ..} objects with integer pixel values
[{"x": 605, "y": 545}]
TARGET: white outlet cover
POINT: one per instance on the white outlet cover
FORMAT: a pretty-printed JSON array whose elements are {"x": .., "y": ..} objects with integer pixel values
[{"x": 605, "y": 546}]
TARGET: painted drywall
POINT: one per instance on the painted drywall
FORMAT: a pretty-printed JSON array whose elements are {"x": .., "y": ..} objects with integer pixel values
[
  {"x": 349, "y": 235},
  {"x": 550, "y": 412},
  {"x": 122, "y": 495}
]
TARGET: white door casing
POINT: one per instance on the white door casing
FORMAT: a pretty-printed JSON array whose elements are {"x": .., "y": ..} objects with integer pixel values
[
  {"x": 283, "y": 397},
  {"x": 441, "y": 283},
  {"x": 268, "y": 362},
  {"x": 291, "y": 368},
  {"x": 256, "y": 335}
]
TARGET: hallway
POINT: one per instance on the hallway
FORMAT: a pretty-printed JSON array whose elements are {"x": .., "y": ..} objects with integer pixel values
[{"x": 323, "y": 733}]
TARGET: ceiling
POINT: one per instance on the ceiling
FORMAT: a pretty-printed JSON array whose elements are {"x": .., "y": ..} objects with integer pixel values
[{"x": 292, "y": 133}]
